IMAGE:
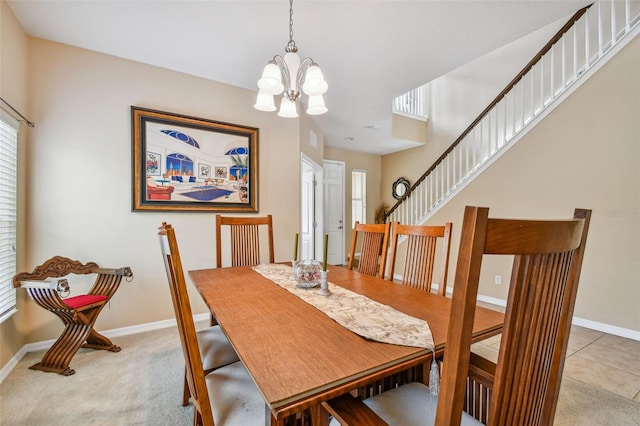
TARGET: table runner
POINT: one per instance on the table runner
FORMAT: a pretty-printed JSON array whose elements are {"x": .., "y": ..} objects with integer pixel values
[{"x": 356, "y": 312}]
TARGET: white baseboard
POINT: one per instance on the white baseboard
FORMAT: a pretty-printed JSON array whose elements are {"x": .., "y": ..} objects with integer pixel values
[
  {"x": 593, "y": 325},
  {"x": 125, "y": 331},
  {"x": 12, "y": 363},
  {"x": 116, "y": 332},
  {"x": 606, "y": 328}
]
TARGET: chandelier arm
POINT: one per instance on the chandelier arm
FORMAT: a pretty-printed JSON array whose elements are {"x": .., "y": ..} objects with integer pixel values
[
  {"x": 304, "y": 66},
  {"x": 284, "y": 71}
]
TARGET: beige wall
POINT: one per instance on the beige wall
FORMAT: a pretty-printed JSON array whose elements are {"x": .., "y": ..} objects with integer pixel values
[
  {"x": 307, "y": 125},
  {"x": 584, "y": 154},
  {"x": 79, "y": 174},
  {"x": 13, "y": 88},
  {"x": 356, "y": 160},
  {"x": 80, "y": 166}
]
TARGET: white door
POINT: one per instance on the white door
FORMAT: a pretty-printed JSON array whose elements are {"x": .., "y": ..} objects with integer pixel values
[{"x": 334, "y": 210}]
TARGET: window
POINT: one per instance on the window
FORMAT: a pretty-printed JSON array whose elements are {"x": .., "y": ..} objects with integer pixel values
[
  {"x": 358, "y": 196},
  {"x": 8, "y": 200}
]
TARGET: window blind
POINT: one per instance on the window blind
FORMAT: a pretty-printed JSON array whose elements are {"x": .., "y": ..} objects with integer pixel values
[{"x": 8, "y": 212}]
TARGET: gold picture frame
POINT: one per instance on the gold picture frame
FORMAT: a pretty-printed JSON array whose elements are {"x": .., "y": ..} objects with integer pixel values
[{"x": 186, "y": 146}]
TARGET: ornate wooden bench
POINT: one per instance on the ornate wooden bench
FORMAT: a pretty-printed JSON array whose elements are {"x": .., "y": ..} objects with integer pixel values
[{"x": 78, "y": 313}]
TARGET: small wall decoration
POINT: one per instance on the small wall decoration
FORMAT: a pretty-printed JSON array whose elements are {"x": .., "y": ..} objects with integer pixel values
[
  {"x": 400, "y": 187},
  {"x": 153, "y": 164},
  {"x": 221, "y": 172},
  {"x": 204, "y": 171},
  {"x": 172, "y": 158}
]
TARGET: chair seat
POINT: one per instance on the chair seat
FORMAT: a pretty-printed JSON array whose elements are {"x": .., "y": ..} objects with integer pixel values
[
  {"x": 408, "y": 405},
  {"x": 235, "y": 399},
  {"x": 215, "y": 349},
  {"x": 76, "y": 302}
]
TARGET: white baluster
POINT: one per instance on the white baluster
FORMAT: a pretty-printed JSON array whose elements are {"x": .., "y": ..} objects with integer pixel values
[
  {"x": 586, "y": 38},
  {"x": 613, "y": 24}
]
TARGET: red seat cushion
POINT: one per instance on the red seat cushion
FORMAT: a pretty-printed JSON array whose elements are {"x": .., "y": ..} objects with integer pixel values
[{"x": 76, "y": 302}]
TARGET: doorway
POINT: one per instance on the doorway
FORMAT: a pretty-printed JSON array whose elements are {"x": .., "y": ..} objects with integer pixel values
[{"x": 334, "y": 210}]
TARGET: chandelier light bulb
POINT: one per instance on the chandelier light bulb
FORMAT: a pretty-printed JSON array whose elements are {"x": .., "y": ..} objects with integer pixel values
[
  {"x": 265, "y": 102},
  {"x": 314, "y": 83},
  {"x": 288, "y": 109},
  {"x": 271, "y": 81},
  {"x": 316, "y": 105}
]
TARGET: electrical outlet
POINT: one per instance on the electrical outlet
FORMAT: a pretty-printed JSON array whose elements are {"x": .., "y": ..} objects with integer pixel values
[{"x": 498, "y": 280}]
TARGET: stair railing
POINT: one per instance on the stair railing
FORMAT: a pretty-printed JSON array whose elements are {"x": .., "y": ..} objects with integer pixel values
[
  {"x": 413, "y": 104},
  {"x": 587, "y": 36}
]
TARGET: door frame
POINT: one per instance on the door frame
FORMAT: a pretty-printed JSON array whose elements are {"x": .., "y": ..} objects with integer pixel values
[{"x": 318, "y": 209}]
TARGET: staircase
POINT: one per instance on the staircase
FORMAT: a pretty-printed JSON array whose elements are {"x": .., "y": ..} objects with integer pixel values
[{"x": 584, "y": 44}]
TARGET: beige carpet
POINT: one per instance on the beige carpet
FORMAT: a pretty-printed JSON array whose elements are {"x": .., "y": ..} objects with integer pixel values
[{"x": 142, "y": 385}]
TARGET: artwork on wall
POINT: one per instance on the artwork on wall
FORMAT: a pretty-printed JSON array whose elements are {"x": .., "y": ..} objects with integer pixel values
[
  {"x": 204, "y": 171},
  {"x": 221, "y": 172},
  {"x": 172, "y": 158},
  {"x": 153, "y": 164}
]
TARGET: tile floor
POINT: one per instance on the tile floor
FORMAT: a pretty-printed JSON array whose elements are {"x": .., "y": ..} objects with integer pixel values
[{"x": 597, "y": 359}]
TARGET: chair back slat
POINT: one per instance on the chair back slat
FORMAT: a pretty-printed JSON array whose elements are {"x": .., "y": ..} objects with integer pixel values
[
  {"x": 245, "y": 245},
  {"x": 244, "y": 239},
  {"x": 420, "y": 255},
  {"x": 547, "y": 262},
  {"x": 186, "y": 327},
  {"x": 374, "y": 241},
  {"x": 370, "y": 253}
]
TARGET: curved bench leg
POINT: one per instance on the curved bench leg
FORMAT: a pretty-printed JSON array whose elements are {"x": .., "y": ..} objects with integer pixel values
[
  {"x": 98, "y": 341},
  {"x": 58, "y": 357},
  {"x": 78, "y": 332},
  {"x": 65, "y": 372}
]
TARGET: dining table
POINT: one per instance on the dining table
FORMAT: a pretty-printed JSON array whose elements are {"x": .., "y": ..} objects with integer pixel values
[{"x": 299, "y": 357}]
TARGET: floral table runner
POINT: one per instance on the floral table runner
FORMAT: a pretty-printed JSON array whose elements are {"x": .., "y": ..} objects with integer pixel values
[{"x": 356, "y": 312}]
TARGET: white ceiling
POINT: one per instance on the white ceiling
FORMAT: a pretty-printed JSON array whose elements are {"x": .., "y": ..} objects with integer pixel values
[{"x": 370, "y": 51}]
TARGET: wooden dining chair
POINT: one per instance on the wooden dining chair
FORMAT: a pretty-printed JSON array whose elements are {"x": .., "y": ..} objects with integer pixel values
[
  {"x": 215, "y": 350},
  {"x": 420, "y": 254},
  {"x": 226, "y": 394},
  {"x": 373, "y": 248},
  {"x": 244, "y": 239},
  {"x": 523, "y": 386}
]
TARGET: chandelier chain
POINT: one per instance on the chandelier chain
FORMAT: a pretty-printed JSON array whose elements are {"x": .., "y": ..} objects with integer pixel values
[
  {"x": 291, "y": 46},
  {"x": 291, "y": 22}
]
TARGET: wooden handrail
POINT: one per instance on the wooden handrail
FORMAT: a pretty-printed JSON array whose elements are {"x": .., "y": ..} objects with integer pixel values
[{"x": 498, "y": 98}]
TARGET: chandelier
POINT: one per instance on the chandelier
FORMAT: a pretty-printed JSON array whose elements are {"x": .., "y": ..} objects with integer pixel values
[{"x": 288, "y": 75}]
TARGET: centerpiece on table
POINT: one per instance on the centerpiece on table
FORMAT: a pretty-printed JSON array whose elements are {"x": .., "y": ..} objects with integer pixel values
[{"x": 307, "y": 273}]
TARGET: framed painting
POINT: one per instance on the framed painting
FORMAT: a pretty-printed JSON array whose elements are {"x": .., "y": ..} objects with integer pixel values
[
  {"x": 172, "y": 158},
  {"x": 221, "y": 172},
  {"x": 204, "y": 171},
  {"x": 153, "y": 163}
]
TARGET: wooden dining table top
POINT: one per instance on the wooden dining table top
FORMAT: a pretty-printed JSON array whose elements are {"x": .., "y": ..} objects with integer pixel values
[{"x": 297, "y": 355}]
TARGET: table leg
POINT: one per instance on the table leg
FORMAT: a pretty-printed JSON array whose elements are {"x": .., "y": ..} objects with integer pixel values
[
  {"x": 269, "y": 419},
  {"x": 319, "y": 416}
]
